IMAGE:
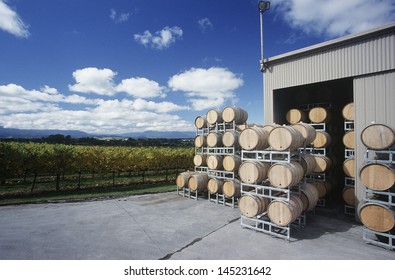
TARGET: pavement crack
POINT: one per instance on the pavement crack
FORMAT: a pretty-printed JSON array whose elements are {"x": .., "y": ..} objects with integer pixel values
[{"x": 196, "y": 240}]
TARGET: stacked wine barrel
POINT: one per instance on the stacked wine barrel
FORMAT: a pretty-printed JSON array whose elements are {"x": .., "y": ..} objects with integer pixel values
[
  {"x": 377, "y": 210},
  {"x": 349, "y": 168},
  {"x": 217, "y": 152}
]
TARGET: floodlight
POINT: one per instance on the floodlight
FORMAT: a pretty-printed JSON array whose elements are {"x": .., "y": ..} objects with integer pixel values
[{"x": 263, "y": 6}]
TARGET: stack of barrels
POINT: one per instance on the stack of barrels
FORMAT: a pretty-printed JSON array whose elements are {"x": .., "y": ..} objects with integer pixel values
[
  {"x": 349, "y": 167},
  {"x": 376, "y": 212},
  {"x": 217, "y": 150}
]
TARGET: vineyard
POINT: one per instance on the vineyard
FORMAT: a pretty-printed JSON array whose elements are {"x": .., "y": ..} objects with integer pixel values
[{"x": 27, "y": 168}]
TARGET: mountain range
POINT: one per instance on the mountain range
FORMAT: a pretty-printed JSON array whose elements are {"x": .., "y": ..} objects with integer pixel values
[{"x": 38, "y": 133}]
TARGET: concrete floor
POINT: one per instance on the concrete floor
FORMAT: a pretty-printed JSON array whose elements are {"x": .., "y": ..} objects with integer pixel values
[{"x": 168, "y": 226}]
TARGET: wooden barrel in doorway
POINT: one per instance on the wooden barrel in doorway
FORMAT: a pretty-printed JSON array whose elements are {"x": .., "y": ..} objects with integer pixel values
[
  {"x": 231, "y": 188},
  {"x": 321, "y": 140},
  {"x": 349, "y": 139},
  {"x": 236, "y": 114},
  {"x": 319, "y": 115},
  {"x": 349, "y": 167},
  {"x": 308, "y": 163},
  {"x": 282, "y": 212},
  {"x": 252, "y": 172},
  {"x": 309, "y": 196},
  {"x": 378, "y": 137},
  {"x": 214, "y": 185},
  {"x": 284, "y": 175},
  {"x": 348, "y": 195},
  {"x": 376, "y": 216},
  {"x": 323, "y": 164},
  {"x": 307, "y": 131},
  {"x": 378, "y": 177},
  {"x": 348, "y": 112},
  {"x": 285, "y": 138},
  {"x": 323, "y": 188},
  {"x": 295, "y": 115},
  {"x": 251, "y": 205},
  {"x": 254, "y": 138},
  {"x": 198, "y": 182}
]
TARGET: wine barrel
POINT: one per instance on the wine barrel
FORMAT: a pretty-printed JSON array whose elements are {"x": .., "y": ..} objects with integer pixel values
[
  {"x": 378, "y": 137},
  {"x": 200, "y": 160},
  {"x": 182, "y": 179},
  {"x": 214, "y": 162},
  {"x": 348, "y": 195},
  {"x": 323, "y": 164},
  {"x": 309, "y": 196},
  {"x": 214, "y": 139},
  {"x": 282, "y": 212},
  {"x": 214, "y": 185},
  {"x": 231, "y": 163},
  {"x": 349, "y": 139},
  {"x": 231, "y": 188},
  {"x": 319, "y": 115},
  {"x": 270, "y": 127},
  {"x": 295, "y": 115},
  {"x": 284, "y": 175},
  {"x": 323, "y": 188},
  {"x": 376, "y": 216},
  {"x": 285, "y": 138},
  {"x": 321, "y": 140},
  {"x": 236, "y": 114},
  {"x": 308, "y": 163},
  {"x": 198, "y": 182},
  {"x": 348, "y": 112},
  {"x": 214, "y": 116},
  {"x": 201, "y": 122},
  {"x": 307, "y": 131},
  {"x": 231, "y": 139},
  {"x": 253, "y": 171},
  {"x": 251, "y": 205},
  {"x": 378, "y": 177},
  {"x": 200, "y": 141},
  {"x": 349, "y": 167},
  {"x": 254, "y": 138}
]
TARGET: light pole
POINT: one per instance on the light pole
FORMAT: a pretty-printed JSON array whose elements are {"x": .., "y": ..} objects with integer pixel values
[{"x": 262, "y": 6}]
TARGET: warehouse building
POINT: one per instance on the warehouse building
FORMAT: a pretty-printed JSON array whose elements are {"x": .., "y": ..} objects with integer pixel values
[{"x": 358, "y": 68}]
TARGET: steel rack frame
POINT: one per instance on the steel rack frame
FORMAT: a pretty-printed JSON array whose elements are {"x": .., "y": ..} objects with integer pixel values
[
  {"x": 373, "y": 237},
  {"x": 386, "y": 156},
  {"x": 270, "y": 155},
  {"x": 222, "y": 200}
]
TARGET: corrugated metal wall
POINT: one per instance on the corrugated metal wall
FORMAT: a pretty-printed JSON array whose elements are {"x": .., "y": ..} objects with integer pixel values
[
  {"x": 359, "y": 58},
  {"x": 374, "y": 98}
]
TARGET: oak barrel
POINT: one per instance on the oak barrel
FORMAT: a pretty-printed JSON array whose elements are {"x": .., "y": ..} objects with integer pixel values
[
  {"x": 198, "y": 182},
  {"x": 282, "y": 212},
  {"x": 214, "y": 139},
  {"x": 378, "y": 137},
  {"x": 323, "y": 188},
  {"x": 285, "y": 138},
  {"x": 376, "y": 176},
  {"x": 322, "y": 139},
  {"x": 270, "y": 127},
  {"x": 200, "y": 122},
  {"x": 231, "y": 188},
  {"x": 349, "y": 167},
  {"x": 251, "y": 205},
  {"x": 253, "y": 171},
  {"x": 348, "y": 112},
  {"x": 236, "y": 114},
  {"x": 348, "y": 195},
  {"x": 214, "y": 162},
  {"x": 182, "y": 179},
  {"x": 231, "y": 163},
  {"x": 200, "y": 141},
  {"x": 349, "y": 139},
  {"x": 309, "y": 196},
  {"x": 295, "y": 115},
  {"x": 319, "y": 115},
  {"x": 214, "y": 185},
  {"x": 254, "y": 138},
  {"x": 214, "y": 116},
  {"x": 308, "y": 163},
  {"x": 307, "y": 131},
  {"x": 376, "y": 216},
  {"x": 231, "y": 139},
  {"x": 323, "y": 164},
  {"x": 200, "y": 160},
  {"x": 284, "y": 175}
]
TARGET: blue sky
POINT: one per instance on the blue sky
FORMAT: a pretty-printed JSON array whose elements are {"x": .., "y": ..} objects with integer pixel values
[{"x": 133, "y": 65}]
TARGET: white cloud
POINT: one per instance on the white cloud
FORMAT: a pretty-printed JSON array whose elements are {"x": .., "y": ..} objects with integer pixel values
[
  {"x": 93, "y": 80},
  {"x": 11, "y": 22},
  {"x": 162, "y": 39},
  {"x": 205, "y": 24},
  {"x": 118, "y": 18},
  {"x": 207, "y": 87},
  {"x": 141, "y": 87},
  {"x": 335, "y": 18}
]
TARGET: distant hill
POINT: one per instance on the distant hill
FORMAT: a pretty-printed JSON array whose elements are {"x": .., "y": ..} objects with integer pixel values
[{"x": 37, "y": 133}]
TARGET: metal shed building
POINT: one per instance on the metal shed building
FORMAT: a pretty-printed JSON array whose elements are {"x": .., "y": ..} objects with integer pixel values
[{"x": 358, "y": 68}]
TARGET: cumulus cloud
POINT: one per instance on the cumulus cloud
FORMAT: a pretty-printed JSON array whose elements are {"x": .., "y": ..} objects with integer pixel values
[
  {"x": 93, "y": 80},
  {"x": 205, "y": 24},
  {"x": 118, "y": 18},
  {"x": 11, "y": 22},
  {"x": 141, "y": 87},
  {"x": 207, "y": 87},
  {"x": 335, "y": 18},
  {"x": 161, "y": 39}
]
